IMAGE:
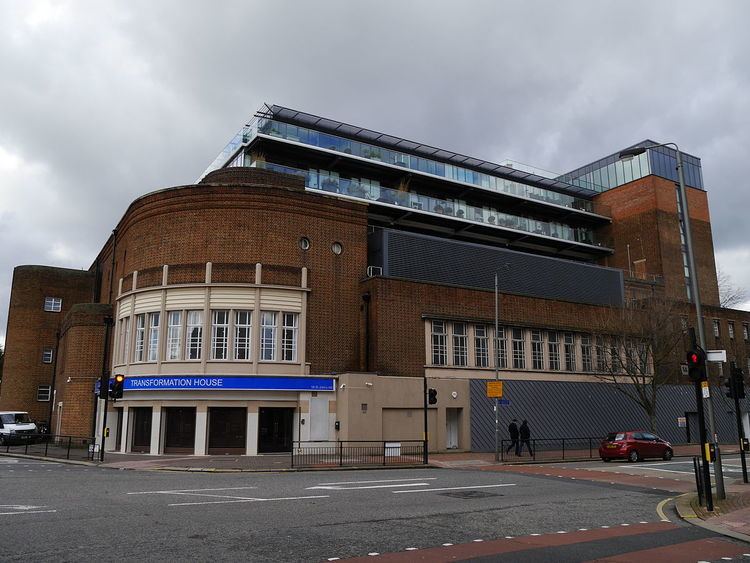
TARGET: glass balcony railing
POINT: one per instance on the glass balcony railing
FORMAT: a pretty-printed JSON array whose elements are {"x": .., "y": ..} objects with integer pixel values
[{"x": 371, "y": 190}]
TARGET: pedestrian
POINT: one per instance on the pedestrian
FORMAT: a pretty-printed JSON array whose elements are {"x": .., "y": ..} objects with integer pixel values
[
  {"x": 513, "y": 431},
  {"x": 525, "y": 434}
]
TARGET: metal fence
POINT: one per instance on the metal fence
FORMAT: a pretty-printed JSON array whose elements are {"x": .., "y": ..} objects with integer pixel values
[
  {"x": 357, "y": 453},
  {"x": 550, "y": 449},
  {"x": 50, "y": 445}
]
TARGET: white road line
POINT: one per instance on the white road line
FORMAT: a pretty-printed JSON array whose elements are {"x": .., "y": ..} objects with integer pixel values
[
  {"x": 380, "y": 481},
  {"x": 215, "y": 496},
  {"x": 246, "y": 500},
  {"x": 337, "y": 488},
  {"x": 26, "y": 512},
  {"x": 176, "y": 491},
  {"x": 21, "y": 506},
  {"x": 454, "y": 488},
  {"x": 655, "y": 469}
]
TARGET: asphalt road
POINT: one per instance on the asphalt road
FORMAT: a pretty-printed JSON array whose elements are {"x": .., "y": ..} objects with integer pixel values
[{"x": 52, "y": 511}]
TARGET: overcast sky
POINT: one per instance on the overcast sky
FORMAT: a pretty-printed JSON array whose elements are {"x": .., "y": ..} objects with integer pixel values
[{"x": 101, "y": 102}]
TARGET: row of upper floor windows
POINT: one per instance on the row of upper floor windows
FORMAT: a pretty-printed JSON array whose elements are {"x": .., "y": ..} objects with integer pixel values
[
  {"x": 461, "y": 344},
  {"x": 227, "y": 334},
  {"x": 716, "y": 325}
]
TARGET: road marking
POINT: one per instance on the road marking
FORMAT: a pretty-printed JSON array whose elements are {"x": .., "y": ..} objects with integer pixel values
[
  {"x": 454, "y": 488},
  {"x": 660, "y": 509},
  {"x": 246, "y": 500},
  {"x": 380, "y": 481},
  {"x": 655, "y": 469},
  {"x": 340, "y": 488},
  {"x": 178, "y": 491},
  {"x": 21, "y": 506},
  {"x": 26, "y": 512}
]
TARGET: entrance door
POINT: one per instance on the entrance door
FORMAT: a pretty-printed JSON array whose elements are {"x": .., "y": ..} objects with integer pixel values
[
  {"x": 451, "y": 428},
  {"x": 118, "y": 436},
  {"x": 226, "y": 430},
  {"x": 141, "y": 429},
  {"x": 275, "y": 429},
  {"x": 179, "y": 437},
  {"x": 692, "y": 428}
]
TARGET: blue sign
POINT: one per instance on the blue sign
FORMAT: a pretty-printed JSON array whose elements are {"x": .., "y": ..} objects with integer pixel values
[
  {"x": 503, "y": 402},
  {"x": 227, "y": 383}
]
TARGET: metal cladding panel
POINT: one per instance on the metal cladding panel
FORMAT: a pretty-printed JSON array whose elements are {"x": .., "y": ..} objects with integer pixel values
[
  {"x": 556, "y": 409},
  {"x": 433, "y": 259}
]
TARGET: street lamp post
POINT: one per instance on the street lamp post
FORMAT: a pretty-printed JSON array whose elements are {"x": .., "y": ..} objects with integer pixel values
[
  {"x": 635, "y": 151},
  {"x": 497, "y": 377}
]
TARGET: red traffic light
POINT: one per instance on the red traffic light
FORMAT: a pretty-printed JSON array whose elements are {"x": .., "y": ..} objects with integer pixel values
[{"x": 696, "y": 357}]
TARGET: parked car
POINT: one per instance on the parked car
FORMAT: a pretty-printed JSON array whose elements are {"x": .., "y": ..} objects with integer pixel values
[
  {"x": 634, "y": 446},
  {"x": 15, "y": 427}
]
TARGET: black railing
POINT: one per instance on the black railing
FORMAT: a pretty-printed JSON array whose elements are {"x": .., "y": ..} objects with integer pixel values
[
  {"x": 550, "y": 448},
  {"x": 49, "y": 445},
  {"x": 357, "y": 453}
]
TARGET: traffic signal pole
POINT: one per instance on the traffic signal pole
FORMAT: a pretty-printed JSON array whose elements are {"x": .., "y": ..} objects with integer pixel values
[
  {"x": 705, "y": 457},
  {"x": 104, "y": 384},
  {"x": 738, "y": 390}
]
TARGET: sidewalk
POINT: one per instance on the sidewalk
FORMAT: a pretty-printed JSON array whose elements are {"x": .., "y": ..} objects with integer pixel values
[
  {"x": 731, "y": 516},
  {"x": 278, "y": 462}
]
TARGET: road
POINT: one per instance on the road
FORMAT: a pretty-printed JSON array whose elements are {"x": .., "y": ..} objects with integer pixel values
[{"x": 64, "y": 512}]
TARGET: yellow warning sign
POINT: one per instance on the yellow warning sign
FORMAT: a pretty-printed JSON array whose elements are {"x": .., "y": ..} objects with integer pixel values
[{"x": 495, "y": 389}]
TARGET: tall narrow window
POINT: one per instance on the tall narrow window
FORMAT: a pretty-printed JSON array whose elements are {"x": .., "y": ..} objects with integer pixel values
[
  {"x": 174, "y": 335},
  {"x": 460, "y": 344},
  {"x": 289, "y": 332},
  {"x": 601, "y": 358},
  {"x": 553, "y": 347},
  {"x": 615, "y": 357},
  {"x": 537, "y": 350},
  {"x": 219, "y": 334},
  {"x": 124, "y": 339},
  {"x": 717, "y": 331},
  {"x": 243, "y": 329},
  {"x": 268, "y": 336},
  {"x": 501, "y": 348},
  {"x": 194, "y": 335},
  {"x": 48, "y": 354},
  {"x": 481, "y": 353},
  {"x": 570, "y": 351},
  {"x": 730, "y": 329},
  {"x": 140, "y": 337},
  {"x": 439, "y": 344},
  {"x": 519, "y": 349},
  {"x": 154, "y": 320},
  {"x": 587, "y": 363},
  {"x": 745, "y": 331}
]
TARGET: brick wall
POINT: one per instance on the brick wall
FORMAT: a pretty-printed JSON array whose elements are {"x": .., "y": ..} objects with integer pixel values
[{"x": 31, "y": 329}]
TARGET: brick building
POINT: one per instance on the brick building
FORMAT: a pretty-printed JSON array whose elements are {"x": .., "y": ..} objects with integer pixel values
[{"x": 318, "y": 272}]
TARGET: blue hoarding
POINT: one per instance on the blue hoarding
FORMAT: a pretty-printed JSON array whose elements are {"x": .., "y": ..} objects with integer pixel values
[{"x": 227, "y": 383}]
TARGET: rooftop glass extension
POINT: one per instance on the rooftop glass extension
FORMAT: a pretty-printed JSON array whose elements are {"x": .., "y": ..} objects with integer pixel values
[
  {"x": 372, "y": 190},
  {"x": 612, "y": 171},
  {"x": 282, "y": 130}
]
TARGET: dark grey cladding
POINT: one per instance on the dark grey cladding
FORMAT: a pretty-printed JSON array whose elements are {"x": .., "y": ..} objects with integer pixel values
[
  {"x": 580, "y": 410},
  {"x": 419, "y": 257}
]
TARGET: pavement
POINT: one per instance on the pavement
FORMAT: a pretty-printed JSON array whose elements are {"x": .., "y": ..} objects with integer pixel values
[{"x": 731, "y": 517}]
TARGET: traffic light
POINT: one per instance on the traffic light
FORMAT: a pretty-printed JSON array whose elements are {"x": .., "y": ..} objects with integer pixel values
[
  {"x": 738, "y": 382},
  {"x": 432, "y": 396},
  {"x": 729, "y": 386},
  {"x": 119, "y": 383},
  {"x": 696, "y": 360}
]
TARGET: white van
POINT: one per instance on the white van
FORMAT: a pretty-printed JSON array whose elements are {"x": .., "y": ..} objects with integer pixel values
[{"x": 15, "y": 426}]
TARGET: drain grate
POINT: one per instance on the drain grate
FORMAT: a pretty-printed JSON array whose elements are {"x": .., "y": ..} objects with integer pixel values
[{"x": 470, "y": 494}]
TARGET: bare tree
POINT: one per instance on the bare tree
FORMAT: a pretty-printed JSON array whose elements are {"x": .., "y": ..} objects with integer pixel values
[
  {"x": 638, "y": 352},
  {"x": 729, "y": 293}
]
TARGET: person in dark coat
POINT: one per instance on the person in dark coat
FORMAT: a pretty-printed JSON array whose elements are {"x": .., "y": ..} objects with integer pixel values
[
  {"x": 513, "y": 432},
  {"x": 525, "y": 435}
]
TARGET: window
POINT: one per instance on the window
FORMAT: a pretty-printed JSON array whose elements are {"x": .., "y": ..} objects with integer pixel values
[
  {"x": 460, "y": 344},
  {"x": 289, "y": 331},
  {"x": 153, "y": 336},
  {"x": 43, "y": 392},
  {"x": 717, "y": 331},
  {"x": 570, "y": 352},
  {"x": 174, "y": 334},
  {"x": 267, "y": 336},
  {"x": 615, "y": 357},
  {"x": 53, "y": 304},
  {"x": 124, "y": 339},
  {"x": 745, "y": 331},
  {"x": 519, "y": 350},
  {"x": 439, "y": 344},
  {"x": 481, "y": 349},
  {"x": 553, "y": 347},
  {"x": 219, "y": 334},
  {"x": 140, "y": 337},
  {"x": 501, "y": 348},
  {"x": 601, "y": 359},
  {"x": 48, "y": 354},
  {"x": 586, "y": 360},
  {"x": 194, "y": 335},
  {"x": 730, "y": 329},
  {"x": 242, "y": 334},
  {"x": 537, "y": 350}
]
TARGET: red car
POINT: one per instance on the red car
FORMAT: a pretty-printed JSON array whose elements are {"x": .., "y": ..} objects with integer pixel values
[{"x": 634, "y": 446}]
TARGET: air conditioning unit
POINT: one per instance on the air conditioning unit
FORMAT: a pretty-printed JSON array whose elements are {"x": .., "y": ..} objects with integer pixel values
[{"x": 373, "y": 271}]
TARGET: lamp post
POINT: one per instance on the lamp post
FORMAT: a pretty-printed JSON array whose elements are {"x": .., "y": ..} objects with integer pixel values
[
  {"x": 497, "y": 377},
  {"x": 635, "y": 151}
]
